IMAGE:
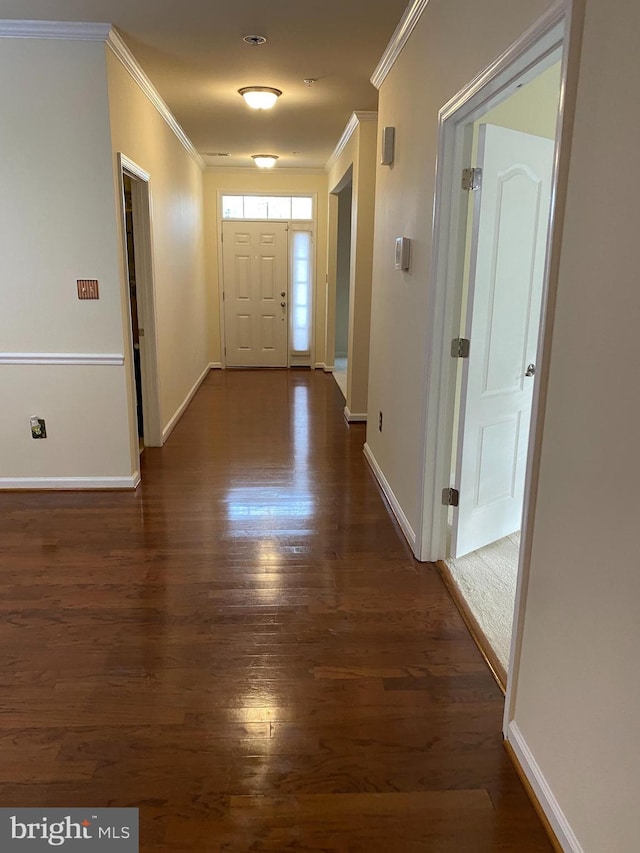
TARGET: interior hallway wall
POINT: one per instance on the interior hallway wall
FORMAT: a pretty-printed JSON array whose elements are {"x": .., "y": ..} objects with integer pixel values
[
  {"x": 577, "y": 695},
  {"x": 182, "y": 301},
  {"x": 276, "y": 181},
  {"x": 57, "y": 225}
]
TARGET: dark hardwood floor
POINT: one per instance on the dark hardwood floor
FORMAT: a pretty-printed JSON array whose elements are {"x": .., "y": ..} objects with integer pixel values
[{"x": 246, "y": 650}]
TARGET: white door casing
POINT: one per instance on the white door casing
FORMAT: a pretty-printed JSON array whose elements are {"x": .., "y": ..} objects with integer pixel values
[
  {"x": 255, "y": 270},
  {"x": 503, "y": 318}
]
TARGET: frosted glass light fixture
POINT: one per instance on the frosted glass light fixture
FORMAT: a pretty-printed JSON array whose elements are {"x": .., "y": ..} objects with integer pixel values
[
  {"x": 260, "y": 97},
  {"x": 265, "y": 161}
]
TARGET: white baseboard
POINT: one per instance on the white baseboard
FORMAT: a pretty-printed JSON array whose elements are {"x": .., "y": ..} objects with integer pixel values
[
  {"x": 353, "y": 417},
  {"x": 391, "y": 498},
  {"x": 68, "y": 483},
  {"x": 166, "y": 432},
  {"x": 320, "y": 365},
  {"x": 215, "y": 365},
  {"x": 556, "y": 817}
]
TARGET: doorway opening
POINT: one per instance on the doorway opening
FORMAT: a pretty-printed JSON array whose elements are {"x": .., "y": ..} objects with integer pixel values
[
  {"x": 140, "y": 304},
  {"x": 133, "y": 304},
  {"x": 507, "y": 234},
  {"x": 499, "y": 142},
  {"x": 343, "y": 287}
]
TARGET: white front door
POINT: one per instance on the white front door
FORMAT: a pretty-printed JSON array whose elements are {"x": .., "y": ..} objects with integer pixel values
[
  {"x": 255, "y": 268},
  {"x": 503, "y": 317}
]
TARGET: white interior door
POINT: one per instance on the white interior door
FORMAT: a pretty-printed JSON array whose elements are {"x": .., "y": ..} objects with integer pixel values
[
  {"x": 508, "y": 253},
  {"x": 255, "y": 269}
]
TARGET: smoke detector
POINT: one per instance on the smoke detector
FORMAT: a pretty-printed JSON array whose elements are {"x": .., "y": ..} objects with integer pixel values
[{"x": 254, "y": 40}]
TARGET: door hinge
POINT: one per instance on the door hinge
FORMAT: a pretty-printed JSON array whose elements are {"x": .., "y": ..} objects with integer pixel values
[
  {"x": 471, "y": 179},
  {"x": 450, "y": 496},
  {"x": 460, "y": 347}
]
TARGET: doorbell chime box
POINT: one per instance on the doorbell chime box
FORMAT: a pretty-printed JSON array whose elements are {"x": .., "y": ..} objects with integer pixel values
[{"x": 403, "y": 252}]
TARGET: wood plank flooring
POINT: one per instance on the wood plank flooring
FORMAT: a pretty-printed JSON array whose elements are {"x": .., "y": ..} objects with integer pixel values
[{"x": 246, "y": 650}]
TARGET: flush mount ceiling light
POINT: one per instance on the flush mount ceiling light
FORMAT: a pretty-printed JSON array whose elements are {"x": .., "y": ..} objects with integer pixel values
[
  {"x": 265, "y": 161},
  {"x": 260, "y": 97}
]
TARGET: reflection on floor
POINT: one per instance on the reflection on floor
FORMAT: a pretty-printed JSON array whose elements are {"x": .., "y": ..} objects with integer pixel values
[
  {"x": 487, "y": 581},
  {"x": 340, "y": 375}
]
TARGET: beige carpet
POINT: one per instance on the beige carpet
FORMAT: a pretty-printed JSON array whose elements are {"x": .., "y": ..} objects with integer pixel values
[{"x": 487, "y": 581}]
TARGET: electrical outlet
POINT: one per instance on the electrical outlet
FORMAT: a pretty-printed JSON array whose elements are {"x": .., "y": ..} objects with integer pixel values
[
  {"x": 380, "y": 422},
  {"x": 38, "y": 427}
]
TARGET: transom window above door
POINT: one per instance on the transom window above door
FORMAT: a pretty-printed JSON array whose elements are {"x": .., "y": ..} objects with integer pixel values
[{"x": 295, "y": 207}]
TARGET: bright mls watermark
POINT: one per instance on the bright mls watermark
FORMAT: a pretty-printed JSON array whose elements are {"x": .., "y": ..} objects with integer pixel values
[{"x": 80, "y": 830}]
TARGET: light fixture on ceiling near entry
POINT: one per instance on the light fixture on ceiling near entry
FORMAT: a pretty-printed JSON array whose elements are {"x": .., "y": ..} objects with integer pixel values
[
  {"x": 260, "y": 97},
  {"x": 265, "y": 161}
]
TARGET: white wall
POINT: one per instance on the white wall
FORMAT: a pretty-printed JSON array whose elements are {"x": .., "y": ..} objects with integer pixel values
[
  {"x": 182, "y": 300},
  {"x": 57, "y": 224},
  {"x": 577, "y": 690}
]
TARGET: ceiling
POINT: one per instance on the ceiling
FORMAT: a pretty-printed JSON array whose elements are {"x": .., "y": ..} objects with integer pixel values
[{"x": 194, "y": 55}]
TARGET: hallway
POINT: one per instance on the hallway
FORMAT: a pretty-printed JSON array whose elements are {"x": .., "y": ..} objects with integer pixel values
[{"x": 246, "y": 650}]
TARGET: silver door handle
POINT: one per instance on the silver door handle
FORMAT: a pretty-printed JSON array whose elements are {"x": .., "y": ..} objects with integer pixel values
[
  {"x": 531, "y": 369},
  {"x": 283, "y": 304}
]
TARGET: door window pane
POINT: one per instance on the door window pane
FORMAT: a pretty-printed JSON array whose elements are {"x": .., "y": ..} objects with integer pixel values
[
  {"x": 302, "y": 207},
  {"x": 279, "y": 207},
  {"x": 255, "y": 207},
  {"x": 267, "y": 207},
  {"x": 301, "y": 288},
  {"x": 232, "y": 207}
]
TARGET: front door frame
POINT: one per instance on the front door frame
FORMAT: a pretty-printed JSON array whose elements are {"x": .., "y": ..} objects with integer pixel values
[
  {"x": 521, "y": 62},
  {"x": 302, "y": 224}
]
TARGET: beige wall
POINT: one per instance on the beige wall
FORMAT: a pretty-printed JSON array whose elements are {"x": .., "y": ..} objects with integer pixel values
[
  {"x": 182, "y": 300},
  {"x": 577, "y": 690},
  {"x": 57, "y": 224},
  {"x": 358, "y": 154},
  {"x": 531, "y": 109},
  {"x": 297, "y": 181}
]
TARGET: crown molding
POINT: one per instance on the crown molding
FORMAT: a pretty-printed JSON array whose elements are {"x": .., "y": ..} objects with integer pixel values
[
  {"x": 398, "y": 40},
  {"x": 130, "y": 63},
  {"x": 355, "y": 119},
  {"x": 68, "y": 30}
]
